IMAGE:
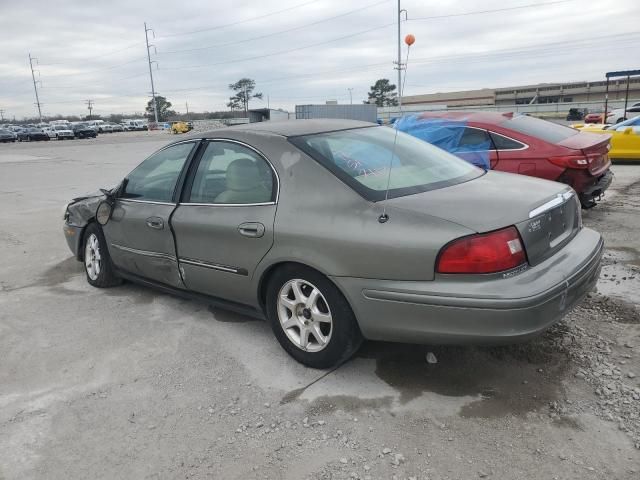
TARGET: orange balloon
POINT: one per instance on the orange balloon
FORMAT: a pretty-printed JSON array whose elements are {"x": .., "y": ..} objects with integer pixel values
[{"x": 409, "y": 39}]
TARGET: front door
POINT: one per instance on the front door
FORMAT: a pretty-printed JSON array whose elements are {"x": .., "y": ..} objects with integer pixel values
[
  {"x": 139, "y": 234},
  {"x": 224, "y": 224}
]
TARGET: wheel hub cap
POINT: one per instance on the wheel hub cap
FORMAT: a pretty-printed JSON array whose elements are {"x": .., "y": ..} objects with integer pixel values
[{"x": 304, "y": 315}]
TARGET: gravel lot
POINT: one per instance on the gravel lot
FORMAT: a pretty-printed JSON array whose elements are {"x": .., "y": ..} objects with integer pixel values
[{"x": 131, "y": 383}]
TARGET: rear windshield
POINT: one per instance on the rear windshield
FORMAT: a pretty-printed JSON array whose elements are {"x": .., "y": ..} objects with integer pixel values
[
  {"x": 547, "y": 131},
  {"x": 365, "y": 159}
]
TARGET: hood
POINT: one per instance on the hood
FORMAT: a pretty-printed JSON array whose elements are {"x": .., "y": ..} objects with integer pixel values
[{"x": 490, "y": 202}]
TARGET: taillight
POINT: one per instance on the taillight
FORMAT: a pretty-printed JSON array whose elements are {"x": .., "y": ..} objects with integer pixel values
[
  {"x": 570, "y": 161},
  {"x": 483, "y": 253}
]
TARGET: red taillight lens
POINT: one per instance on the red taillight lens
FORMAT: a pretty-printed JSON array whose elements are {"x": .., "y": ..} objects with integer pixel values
[
  {"x": 483, "y": 253},
  {"x": 570, "y": 161}
]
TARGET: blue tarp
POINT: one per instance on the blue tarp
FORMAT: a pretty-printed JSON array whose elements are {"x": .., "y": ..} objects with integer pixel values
[{"x": 447, "y": 134}]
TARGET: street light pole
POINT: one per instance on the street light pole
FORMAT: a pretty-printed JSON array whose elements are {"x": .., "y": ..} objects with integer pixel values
[
  {"x": 350, "y": 96},
  {"x": 399, "y": 58}
]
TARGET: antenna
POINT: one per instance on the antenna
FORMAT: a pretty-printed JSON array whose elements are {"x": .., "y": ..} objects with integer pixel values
[{"x": 409, "y": 40}]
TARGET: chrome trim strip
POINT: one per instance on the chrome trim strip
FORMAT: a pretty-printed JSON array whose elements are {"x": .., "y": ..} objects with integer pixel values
[
  {"x": 145, "y": 201},
  {"x": 186, "y": 204},
  {"x": 146, "y": 253},
  {"x": 213, "y": 266},
  {"x": 545, "y": 207}
]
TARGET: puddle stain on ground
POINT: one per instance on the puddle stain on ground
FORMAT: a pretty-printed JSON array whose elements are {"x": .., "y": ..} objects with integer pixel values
[{"x": 514, "y": 379}]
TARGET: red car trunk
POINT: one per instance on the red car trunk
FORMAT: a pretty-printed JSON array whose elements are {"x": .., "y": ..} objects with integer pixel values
[
  {"x": 594, "y": 146},
  {"x": 538, "y": 148}
]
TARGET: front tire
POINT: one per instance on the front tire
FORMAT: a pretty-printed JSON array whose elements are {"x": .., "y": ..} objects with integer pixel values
[
  {"x": 311, "y": 318},
  {"x": 97, "y": 262}
]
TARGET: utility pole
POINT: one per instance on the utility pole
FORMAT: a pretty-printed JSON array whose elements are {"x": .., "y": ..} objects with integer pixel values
[
  {"x": 350, "y": 96},
  {"x": 1, "y": 115},
  {"x": 89, "y": 106},
  {"x": 399, "y": 63},
  {"x": 153, "y": 90},
  {"x": 35, "y": 87},
  {"x": 186, "y": 104}
]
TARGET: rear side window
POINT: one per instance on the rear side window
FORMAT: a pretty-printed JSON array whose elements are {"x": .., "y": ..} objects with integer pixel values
[
  {"x": 547, "y": 131},
  {"x": 505, "y": 143},
  {"x": 155, "y": 179},
  {"x": 475, "y": 140}
]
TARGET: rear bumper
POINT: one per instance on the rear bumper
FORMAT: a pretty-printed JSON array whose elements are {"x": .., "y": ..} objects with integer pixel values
[
  {"x": 457, "y": 310},
  {"x": 588, "y": 187}
]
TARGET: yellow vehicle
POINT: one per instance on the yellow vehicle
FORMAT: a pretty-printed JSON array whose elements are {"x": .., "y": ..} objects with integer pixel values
[
  {"x": 180, "y": 127},
  {"x": 625, "y": 138}
]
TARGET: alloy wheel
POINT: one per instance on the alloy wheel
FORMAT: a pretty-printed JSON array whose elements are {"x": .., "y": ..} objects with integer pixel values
[
  {"x": 304, "y": 315},
  {"x": 92, "y": 258}
]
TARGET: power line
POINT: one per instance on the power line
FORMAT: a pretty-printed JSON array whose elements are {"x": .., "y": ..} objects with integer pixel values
[
  {"x": 282, "y": 52},
  {"x": 273, "y": 34},
  {"x": 480, "y": 12},
  {"x": 218, "y": 27}
]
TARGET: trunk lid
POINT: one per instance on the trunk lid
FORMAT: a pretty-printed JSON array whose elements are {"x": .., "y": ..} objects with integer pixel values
[
  {"x": 594, "y": 146},
  {"x": 546, "y": 214}
]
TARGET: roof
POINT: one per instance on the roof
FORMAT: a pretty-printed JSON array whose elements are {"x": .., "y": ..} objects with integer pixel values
[
  {"x": 290, "y": 128},
  {"x": 470, "y": 116}
]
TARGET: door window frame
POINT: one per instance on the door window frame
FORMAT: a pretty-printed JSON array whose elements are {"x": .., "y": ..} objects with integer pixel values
[
  {"x": 177, "y": 191},
  {"x": 195, "y": 162}
]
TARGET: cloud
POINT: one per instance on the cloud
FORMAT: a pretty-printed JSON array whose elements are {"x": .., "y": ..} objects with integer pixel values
[{"x": 96, "y": 49}]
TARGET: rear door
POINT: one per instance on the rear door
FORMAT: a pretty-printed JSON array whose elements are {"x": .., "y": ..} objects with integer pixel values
[
  {"x": 224, "y": 223},
  {"x": 139, "y": 234},
  {"x": 476, "y": 147},
  {"x": 515, "y": 156}
]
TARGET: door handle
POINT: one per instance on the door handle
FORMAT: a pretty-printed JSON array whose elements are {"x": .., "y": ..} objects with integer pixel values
[
  {"x": 155, "y": 222},
  {"x": 251, "y": 229}
]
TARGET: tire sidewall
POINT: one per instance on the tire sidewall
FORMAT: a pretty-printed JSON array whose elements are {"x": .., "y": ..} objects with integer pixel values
[{"x": 345, "y": 336}]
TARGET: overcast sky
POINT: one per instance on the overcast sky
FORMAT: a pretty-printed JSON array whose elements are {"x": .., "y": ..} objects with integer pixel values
[{"x": 297, "y": 51}]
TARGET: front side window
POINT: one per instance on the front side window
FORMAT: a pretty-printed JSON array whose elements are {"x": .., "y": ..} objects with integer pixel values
[
  {"x": 365, "y": 159},
  {"x": 155, "y": 179},
  {"x": 230, "y": 173}
]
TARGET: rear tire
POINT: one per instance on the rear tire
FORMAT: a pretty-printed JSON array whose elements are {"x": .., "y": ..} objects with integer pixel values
[
  {"x": 96, "y": 259},
  {"x": 311, "y": 318}
]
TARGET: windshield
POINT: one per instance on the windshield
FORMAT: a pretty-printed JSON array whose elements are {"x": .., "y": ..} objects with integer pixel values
[
  {"x": 60, "y": 127},
  {"x": 361, "y": 158},
  {"x": 547, "y": 131}
]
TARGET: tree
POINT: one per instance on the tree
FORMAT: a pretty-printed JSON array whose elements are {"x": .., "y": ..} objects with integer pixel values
[
  {"x": 244, "y": 88},
  {"x": 383, "y": 93},
  {"x": 163, "y": 106}
]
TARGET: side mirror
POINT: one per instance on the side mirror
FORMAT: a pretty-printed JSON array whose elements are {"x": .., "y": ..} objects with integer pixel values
[{"x": 103, "y": 212}]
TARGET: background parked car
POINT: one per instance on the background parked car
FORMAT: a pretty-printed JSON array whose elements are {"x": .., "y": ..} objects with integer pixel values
[
  {"x": 82, "y": 130},
  {"x": 576, "y": 113},
  {"x": 62, "y": 132},
  {"x": 594, "y": 117},
  {"x": 31, "y": 134},
  {"x": 7, "y": 136},
  {"x": 618, "y": 115},
  {"x": 625, "y": 138},
  {"x": 520, "y": 144},
  {"x": 116, "y": 127},
  {"x": 105, "y": 128}
]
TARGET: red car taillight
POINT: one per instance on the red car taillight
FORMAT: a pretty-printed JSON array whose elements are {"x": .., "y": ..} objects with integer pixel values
[
  {"x": 483, "y": 253},
  {"x": 570, "y": 161}
]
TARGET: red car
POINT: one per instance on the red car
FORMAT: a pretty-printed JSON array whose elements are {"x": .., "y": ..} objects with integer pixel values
[
  {"x": 594, "y": 117},
  {"x": 529, "y": 146}
]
